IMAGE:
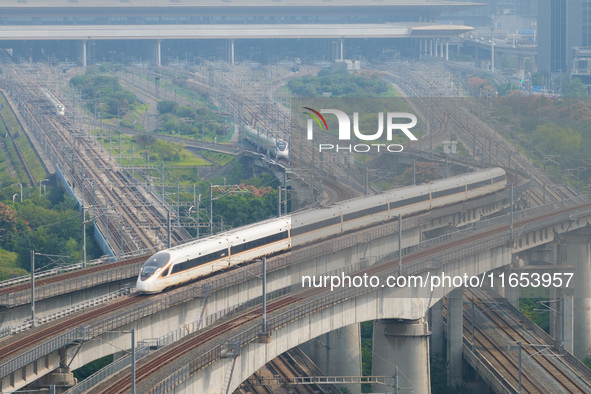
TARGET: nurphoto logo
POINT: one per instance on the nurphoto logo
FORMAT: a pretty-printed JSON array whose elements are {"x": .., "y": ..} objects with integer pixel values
[{"x": 392, "y": 120}]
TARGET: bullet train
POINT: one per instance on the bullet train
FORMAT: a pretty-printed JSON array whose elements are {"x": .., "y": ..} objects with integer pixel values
[
  {"x": 202, "y": 257},
  {"x": 276, "y": 146},
  {"x": 59, "y": 108}
]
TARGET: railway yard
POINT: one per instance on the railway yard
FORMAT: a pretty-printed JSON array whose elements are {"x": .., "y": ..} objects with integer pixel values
[{"x": 134, "y": 221}]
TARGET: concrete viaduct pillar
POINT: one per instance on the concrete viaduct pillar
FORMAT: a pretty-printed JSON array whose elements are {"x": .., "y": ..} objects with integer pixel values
[
  {"x": 402, "y": 345},
  {"x": 436, "y": 326},
  {"x": 455, "y": 330},
  {"x": 579, "y": 256},
  {"x": 83, "y": 49},
  {"x": 341, "y": 56},
  {"x": 338, "y": 353},
  {"x": 158, "y": 53},
  {"x": 232, "y": 52},
  {"x": 561, "y": 316}
]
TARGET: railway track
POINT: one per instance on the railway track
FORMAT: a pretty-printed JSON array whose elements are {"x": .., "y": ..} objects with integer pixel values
[
  {"x": 93, "y": 162},
  {"x": 114, "y": 193},
  {"x": 168, "y": 355},
  {"x": 73, "y": 274},
  {"x": 154, "y": 364},
  {"x": 28, "y": 339},
  {"x": 21, "y": 159},
  {"x": 512, "y": 332},
  {"x": 476, "y": 134}
]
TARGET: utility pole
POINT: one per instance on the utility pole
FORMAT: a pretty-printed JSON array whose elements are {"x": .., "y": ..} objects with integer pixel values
[
  {"x": 133, "y": 361},
  {"x": 492, "y": 44},
  {"x": 264, "y": 262},
  {"x": 32, "y": 288}
]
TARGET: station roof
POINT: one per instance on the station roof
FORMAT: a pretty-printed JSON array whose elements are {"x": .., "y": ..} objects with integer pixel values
[
  {"x": 414, "y": 5},
  {"x": 226, "y": 31}
]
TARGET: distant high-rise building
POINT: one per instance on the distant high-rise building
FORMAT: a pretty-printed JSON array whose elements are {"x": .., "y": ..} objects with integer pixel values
[{"x": 563, "y": 25}]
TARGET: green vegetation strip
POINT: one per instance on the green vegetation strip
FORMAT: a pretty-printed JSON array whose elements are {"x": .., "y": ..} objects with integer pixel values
[{"x": 11, "y": 127}]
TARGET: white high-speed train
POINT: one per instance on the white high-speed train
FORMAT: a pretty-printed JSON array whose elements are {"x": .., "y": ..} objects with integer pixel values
[
  {"x": 55, "y": 103},
  {"x": 200, "y": 258},
  {"x": 276, "y": 146}
]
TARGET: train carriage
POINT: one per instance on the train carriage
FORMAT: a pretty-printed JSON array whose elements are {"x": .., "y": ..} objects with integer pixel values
[{"x": 196, "y": 259}]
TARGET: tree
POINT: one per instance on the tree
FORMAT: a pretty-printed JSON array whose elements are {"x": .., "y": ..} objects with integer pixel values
[
  {"x": 558, "y": 140},
  {"x": 539, "y": 79},
  {"x": 576, "y": 88},
  {"x": 166, "y": 106},
  {"x": 480, "y": 87},
  {"x": 505, "y": 88},
  {"x": 7, "y": 220}
]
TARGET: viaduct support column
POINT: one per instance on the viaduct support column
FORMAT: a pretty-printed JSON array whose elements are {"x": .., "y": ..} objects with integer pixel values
[
  {"x": 402, "y": 345},
  {"x": 447, "y": 50},
  {"x": 431, "y": 47},
  {"x": 579, "y": 256},
  {"x": 441, "y": 48},
  {"x": 341, "y": 48},
  {"x": 338, "y": 353},
  {"x": 158, "y": 53},
  {"x": 436, "y": 48},
  {"x": 561, "y": 317},
  {"x": 455, "y": 330},
  {"x": 232, "y": 52},
  {"x": 436, "y": 326},
  {"x": 61, "y": 378},
  {"x": 83, "y": 53}
]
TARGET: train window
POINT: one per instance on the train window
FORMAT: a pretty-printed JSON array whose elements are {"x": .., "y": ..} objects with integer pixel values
[
  {"x": 448, "y": 192},
  {"x": 164, "y": 273},
  {"x": 155, "y": 262},
  {"x": 476, "y": 185},
  {"x": 500, "y": 178},
  {"x": 258, "y": 242}
]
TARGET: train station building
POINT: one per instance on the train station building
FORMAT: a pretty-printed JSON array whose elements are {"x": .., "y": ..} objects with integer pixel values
[{"x": 165, "y": 31}]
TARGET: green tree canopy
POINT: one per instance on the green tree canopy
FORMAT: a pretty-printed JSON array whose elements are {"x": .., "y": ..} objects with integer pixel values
[{"x": 554, "y": 139}]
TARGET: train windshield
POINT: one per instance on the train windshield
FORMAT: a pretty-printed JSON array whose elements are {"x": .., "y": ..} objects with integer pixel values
[
  {"x": 153, "y": 263},
  {"x": 281, "y": 145}
]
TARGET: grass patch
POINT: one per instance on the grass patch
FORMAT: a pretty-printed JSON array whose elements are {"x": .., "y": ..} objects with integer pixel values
[
  {"x": 8, "y": 268},
  {"x": 220, "y": 159},
  {"x": 11, "y": 126}
]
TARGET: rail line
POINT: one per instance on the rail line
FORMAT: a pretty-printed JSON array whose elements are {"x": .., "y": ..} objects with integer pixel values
[
  {"x": 481, "y": 136},
  {"x": 114, "y": 193},
  {"x": 49, "y": 330},
  {"x": 157, "y": 363},
  {"x": 547, "y": 361},
  {"x": 168, "y": 355},
  {"x": 486, "y": 343}
]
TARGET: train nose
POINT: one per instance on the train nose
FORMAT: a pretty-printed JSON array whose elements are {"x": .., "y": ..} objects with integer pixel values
[{"x": 143, "y": 286}]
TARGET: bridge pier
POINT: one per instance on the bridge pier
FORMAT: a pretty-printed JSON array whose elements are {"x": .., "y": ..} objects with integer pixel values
[
  {"x": 455, "y": 330},
  {"x": 62, "y": 379},
  {"x": 402, "y": 345},
  {"x": 158, "y": 53},
  {"x": 338, "y": 353},
  {"x": 561, "y": 310},
  {"x": 83, "y": 48},
  {"x": 232, "y": 52},
  {"x": 436, "y": 326},
  {"x": 579, "y": 256}
]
